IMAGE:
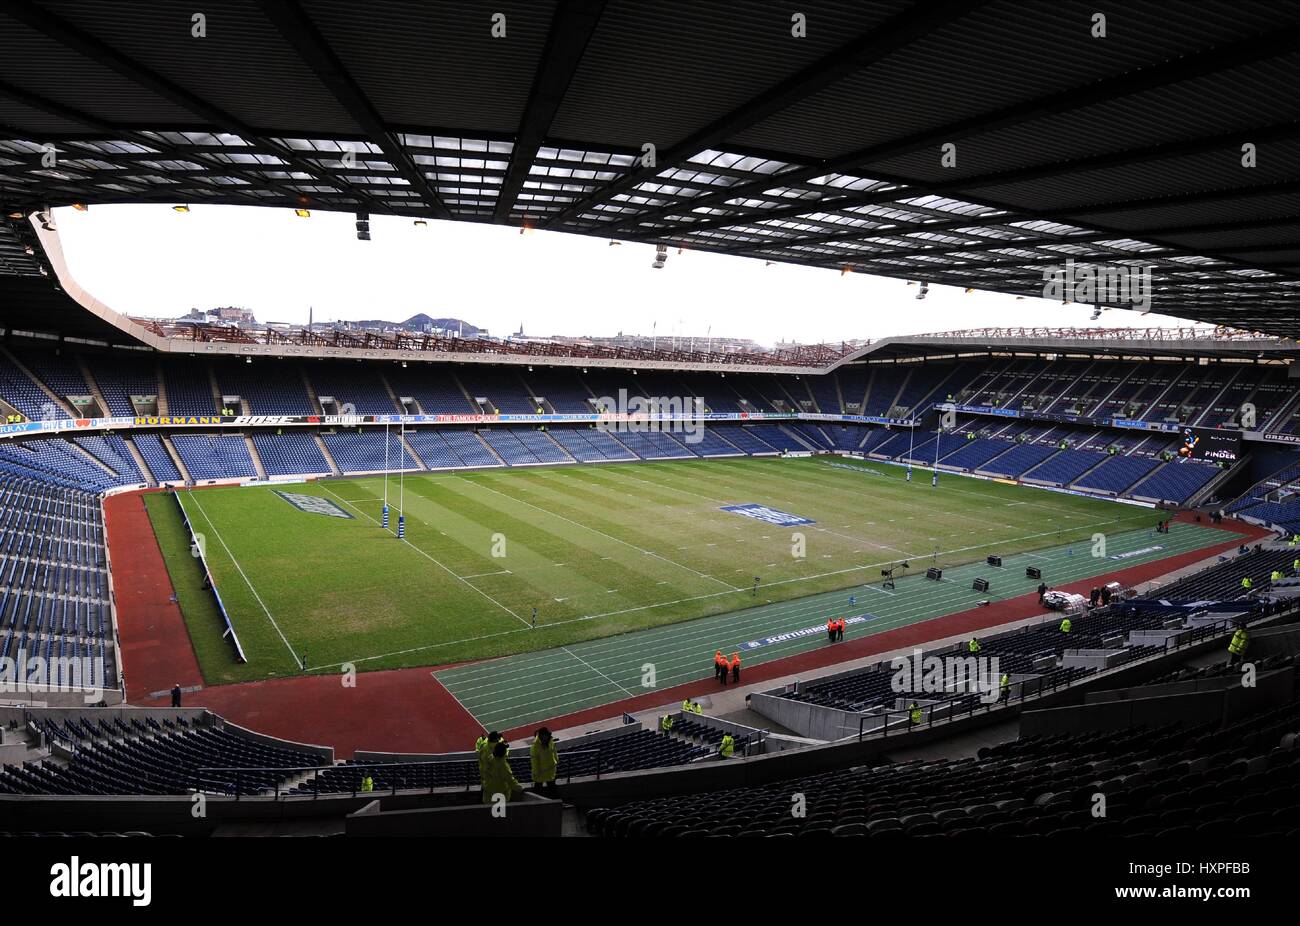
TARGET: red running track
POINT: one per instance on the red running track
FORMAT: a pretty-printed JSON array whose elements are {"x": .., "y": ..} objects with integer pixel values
[{"x": 408, "y": 710}]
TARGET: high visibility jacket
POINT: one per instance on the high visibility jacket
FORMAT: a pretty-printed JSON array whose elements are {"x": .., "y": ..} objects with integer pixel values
[
  {"x": 1239, "y": 642},
  {"x": 1295, "y": 565},
  {"x": 1065, "y": 625},
  {"x": 727, "y": 747},
  {"x": 718, "y": 659},
  {"x": 544, "y": 759},
  {"x": 973, "y": 646},
  {"x": 830, "y": 624},
  {"x": 686, "y": 704},
  {"x": 1246, "y": 582},
  {"x": 666, "y": 723},
  {"x": 914, "y": 712},
  {"x": 498, "y": 778},
  {"x": 483, "y": 746},
  {"x": 735, "y": 661},
  {"x": 697, "y": 709},
  {"x": 367, "y": 784},
  {"x": 1277, "y": 574},
  {"x": 1005, "y": 683}
]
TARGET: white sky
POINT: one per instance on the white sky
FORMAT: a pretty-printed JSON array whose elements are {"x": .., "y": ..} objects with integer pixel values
[{"x": 151, "y": 261}]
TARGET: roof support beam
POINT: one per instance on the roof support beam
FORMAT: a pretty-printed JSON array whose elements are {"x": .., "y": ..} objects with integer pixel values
[
  {"x": 305, "y": 39},
  {"x": 85, "y": 44},
  {"x": 1118, "y": 86},
  {"x": 572, "y": 27},
  {"x": 896, "y": 33}
]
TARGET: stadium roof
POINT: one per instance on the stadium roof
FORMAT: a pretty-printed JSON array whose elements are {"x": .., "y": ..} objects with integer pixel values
[{"x": 825, "y": 149}]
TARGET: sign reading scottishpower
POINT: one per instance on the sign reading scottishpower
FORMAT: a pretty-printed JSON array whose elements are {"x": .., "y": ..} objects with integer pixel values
[
  {"x": 768, "y": 515},
  {"x": 313, "y": 504},
  {"x": 802, "y": 632}
]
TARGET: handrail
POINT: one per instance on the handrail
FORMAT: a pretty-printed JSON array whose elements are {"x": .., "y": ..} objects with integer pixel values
[{"x": 202, "y": 775}]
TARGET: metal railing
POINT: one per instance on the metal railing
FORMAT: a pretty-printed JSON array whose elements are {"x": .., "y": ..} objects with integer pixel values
[
  {"x": 949, "y": 710},
  {"x": 232, "y": 780}
]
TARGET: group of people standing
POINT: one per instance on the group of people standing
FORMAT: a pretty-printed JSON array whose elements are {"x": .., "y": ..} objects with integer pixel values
[
  {"x": 835, "y": 629},
  {"x": 722, "y": 667},
  {"x": 496, "y": 775}
]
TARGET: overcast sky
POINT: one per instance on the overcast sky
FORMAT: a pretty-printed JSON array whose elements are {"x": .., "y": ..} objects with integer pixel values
[{"x": 149, "y": 260}]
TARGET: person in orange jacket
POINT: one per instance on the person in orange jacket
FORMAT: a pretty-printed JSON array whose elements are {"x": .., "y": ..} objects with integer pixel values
[
  {"x": 839, "y": 633},
  {"x": 735, "y": 668},
  {"x": 719, "y": 665},
  {"x": 830, "y": 629}
]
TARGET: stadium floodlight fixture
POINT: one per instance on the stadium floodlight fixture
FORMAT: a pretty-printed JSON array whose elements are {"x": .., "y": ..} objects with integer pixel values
[
  {"x": 363, "y": 226},
  {"x": 180, "y": 208},
  {"x": 615, "y": 244},
  {"x": 302, "y": 213},
  {"x": 925, "y": 289},
  {"x": 421, "y": 223}
]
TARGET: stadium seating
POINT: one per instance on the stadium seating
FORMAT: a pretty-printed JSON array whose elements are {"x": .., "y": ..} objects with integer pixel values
[
  {"x": 267, "y": 388},
  {"x": 508, "y": 446},
  {"x": 291, "y": 453},
  {"x": 470, "y": 448},
  {"x": 156, "y": 456},
  {"x": 54, "y": 595},
  {"x": 144, "y": 756},
  {"x": 368, "y": 451},
  {"x": 1116, "y": 474},
  {"x": 1175, "y": 482},
  {"x": 1064, "y": 467},
  {"x": 541, "y": 446},
  {"x": 120, "y": 378},
  {"x": 1019, "y": 458},
  {"x": 357, "y": 387},
  {"x": 188, "y": 389},
  {"x": 214, "y": 456},
  {"x": 1162, "y": 780}
]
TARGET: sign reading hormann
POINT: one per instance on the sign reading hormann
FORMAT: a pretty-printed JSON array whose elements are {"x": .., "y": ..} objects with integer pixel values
[
  {"x": 313, "y": 504},
  {"x": 171, "y": 420}
]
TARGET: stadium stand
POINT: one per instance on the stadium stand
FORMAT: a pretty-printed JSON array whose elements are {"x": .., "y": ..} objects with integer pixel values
[
  {"x": 145, "y": 756},
  {"x": 267, "y": 388},
  {"x": 156, "y": 456},
  {"x": 1169, "y": 779},
  {"x": 365, "y": 451},
  {"x": 214, "y": 456},
  {"x": 291, "y": 453}
]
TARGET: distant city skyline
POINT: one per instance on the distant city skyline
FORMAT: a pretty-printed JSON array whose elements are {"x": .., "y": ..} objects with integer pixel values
[{"x": 149, "y": 260}]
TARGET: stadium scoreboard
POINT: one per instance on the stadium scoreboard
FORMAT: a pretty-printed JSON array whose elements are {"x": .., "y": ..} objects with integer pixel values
[{"x": 1210, "y": 444}]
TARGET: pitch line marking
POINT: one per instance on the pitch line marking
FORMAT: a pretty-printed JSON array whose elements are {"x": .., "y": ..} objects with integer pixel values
[
  {"x": 594, "y": 530},
  {"x": 441, "y": 566},
  {"x": 597, "y": 671},
  {"x": 576, "y": 620},
  {"x": 244, "y": 575}
]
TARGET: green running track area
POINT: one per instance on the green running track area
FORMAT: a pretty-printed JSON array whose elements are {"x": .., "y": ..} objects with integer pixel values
[{"x": 517, "y": 690}]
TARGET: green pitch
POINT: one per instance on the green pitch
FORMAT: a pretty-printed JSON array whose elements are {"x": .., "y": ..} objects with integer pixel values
[{"x": 597, "y": 550}]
